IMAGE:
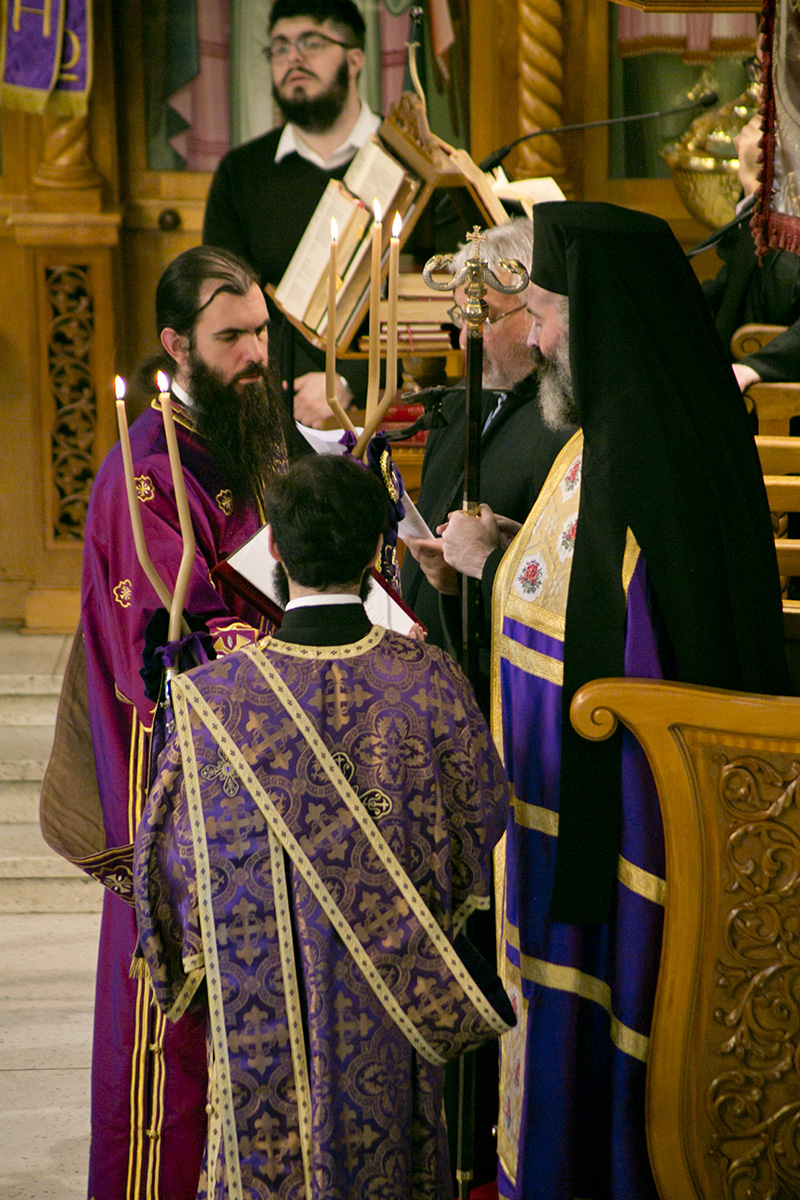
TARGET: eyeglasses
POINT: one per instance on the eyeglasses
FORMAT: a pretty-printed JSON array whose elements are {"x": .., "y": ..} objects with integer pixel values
[
  {"x": 752, "y": 68},
  {"x": 457, "y": 317},
  {"x": 306, "y": 44}
]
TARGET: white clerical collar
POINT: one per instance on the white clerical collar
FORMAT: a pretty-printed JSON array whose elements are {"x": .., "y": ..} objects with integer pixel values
[
  {"x": 322, "y": 598},
  {"x": 181, "y": 394},
  {"x": 291, "y": 142}
]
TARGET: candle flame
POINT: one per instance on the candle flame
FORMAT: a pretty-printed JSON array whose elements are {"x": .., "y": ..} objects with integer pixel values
[
  {"x": 334, "y": 230},
  {"x": 397, "y": 225},
  {"x": 119, "y": 386},
  {"x": 163, "y": 381},
  {"x": 376, "y": 211}
]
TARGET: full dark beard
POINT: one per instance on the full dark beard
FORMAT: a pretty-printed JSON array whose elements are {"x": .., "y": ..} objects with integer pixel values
[
  {"x": 319, "y": 113},
  {"x": 241, "y": 424}
]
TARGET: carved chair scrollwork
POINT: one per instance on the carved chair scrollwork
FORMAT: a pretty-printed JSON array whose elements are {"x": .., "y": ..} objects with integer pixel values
[{"x": 723, "y": 1085}]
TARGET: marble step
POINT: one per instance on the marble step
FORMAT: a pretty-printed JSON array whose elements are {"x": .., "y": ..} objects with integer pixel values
[
  {"x": 33, "y": 878},
  {"x": 29, "y": 699},
  {"x": 28, "y": 709},
  {"x": 19, "y": 801},
  {"x": 21, "y": 684},
  {"x": 24, "y": 751}
]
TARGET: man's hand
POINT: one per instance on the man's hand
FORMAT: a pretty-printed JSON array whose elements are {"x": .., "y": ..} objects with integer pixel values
[
  {"x": 748, "y": 152},
  {"x": 508, "y": 530},
  {"x": 468, "y": 541},
  {"x": 745, "y": 376},
  {"x": 311, "y": 402},
  {"x": 429, "y": 554}
]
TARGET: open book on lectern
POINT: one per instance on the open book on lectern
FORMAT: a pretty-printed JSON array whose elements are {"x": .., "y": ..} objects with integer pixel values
[
  {"x": 250, "y": 573},
  {"x": 250, "y": 570}
]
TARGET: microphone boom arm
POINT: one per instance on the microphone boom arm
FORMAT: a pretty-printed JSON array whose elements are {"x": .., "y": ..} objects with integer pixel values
[{"x": 496, "y": 157}]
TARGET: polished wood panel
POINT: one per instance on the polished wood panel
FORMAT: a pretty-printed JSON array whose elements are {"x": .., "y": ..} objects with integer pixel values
[{"x": 722, "y": 1079}]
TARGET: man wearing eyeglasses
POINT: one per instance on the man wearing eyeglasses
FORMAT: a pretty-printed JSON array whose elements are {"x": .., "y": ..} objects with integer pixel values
[
  {"x": 517, "y": 450},
  {"x": 264, "y": 192}
]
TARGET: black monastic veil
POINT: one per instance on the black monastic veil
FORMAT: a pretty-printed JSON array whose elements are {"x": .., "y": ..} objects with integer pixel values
[{"x": 668, "y": 454}]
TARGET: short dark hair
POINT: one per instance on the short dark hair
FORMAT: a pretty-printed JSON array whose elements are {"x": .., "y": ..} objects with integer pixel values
[
  {"x": 343, "y": 13},
  {"x": 327, "y": 513},
  {"x": 178, "y": 292}
]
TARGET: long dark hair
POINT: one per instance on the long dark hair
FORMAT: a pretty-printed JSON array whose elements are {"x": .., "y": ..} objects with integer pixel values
[{"x": 178, "y": 293}]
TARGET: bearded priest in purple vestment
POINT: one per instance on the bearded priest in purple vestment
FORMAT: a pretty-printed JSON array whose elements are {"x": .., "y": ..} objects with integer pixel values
[
  {"x": 148, "y": 1077},
  {"x": 321, "y": 827}
]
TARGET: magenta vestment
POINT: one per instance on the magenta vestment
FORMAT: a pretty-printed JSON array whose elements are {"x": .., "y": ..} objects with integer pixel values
[
  {"x": 321, "y": 826},
  {"x": 148, "y": 1081}
]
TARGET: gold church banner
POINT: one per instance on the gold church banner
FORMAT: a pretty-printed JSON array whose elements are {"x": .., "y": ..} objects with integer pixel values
[{"x": 46, "y": 56}]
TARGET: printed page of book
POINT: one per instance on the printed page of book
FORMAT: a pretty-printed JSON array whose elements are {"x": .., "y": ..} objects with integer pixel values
[
  {"x": 374, "y": 175},
  {"x": 526, "y": 191},
  {"x": 349, "y": 240},
  {"x": 311, "y": 258},
  {"x": 328, "y": 441},
  {"x": 254, "y": 562}
]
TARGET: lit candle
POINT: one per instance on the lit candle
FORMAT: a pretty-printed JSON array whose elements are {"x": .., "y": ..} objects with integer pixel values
[
  {"x": 163, "y": 386},
  {"x": 182, "y": 504},
  {"x": 161, "y": 589},
  {"x": 391, "y": 330},
  {"x": 371, "y": 422},
  {"x": 330, "y": 336},
  {"x": 330, "y": 331},
  {"x": 373, "y": 377}
]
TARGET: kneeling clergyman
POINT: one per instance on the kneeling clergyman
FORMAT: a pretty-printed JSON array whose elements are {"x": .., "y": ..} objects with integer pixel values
[{"x": 321, "y": 826}]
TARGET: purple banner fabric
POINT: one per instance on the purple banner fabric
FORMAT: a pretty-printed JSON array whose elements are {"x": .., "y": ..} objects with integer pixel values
[
  {"x": 75, "y": 72},
  {"x": 47, "y": 56},
  {"x": 32, "y": 45}
]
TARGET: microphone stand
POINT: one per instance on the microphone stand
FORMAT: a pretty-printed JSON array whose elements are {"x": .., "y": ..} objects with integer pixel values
[{"x": 496, "y": 157}]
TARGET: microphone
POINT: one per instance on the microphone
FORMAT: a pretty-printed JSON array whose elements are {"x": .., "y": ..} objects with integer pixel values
[
  {"x": 744, "y": 212},
  {"x": 432, "y": 418},
  {"x": 496, "y": 157}
]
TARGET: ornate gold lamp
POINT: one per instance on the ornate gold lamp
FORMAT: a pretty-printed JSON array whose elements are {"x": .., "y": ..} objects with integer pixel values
[{"x": 703, "y": 162}]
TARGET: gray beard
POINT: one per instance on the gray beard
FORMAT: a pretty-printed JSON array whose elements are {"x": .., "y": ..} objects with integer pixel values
[{"x": 556, "y": 401}]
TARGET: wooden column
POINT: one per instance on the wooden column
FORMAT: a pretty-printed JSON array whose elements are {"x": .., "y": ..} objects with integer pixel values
[
  {"x": 58, "y": 258},
  {"x": 541, "y": 95}
]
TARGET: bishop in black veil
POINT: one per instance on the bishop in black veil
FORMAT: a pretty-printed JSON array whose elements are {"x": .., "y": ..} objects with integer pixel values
[{"x": 648, "y": 553}]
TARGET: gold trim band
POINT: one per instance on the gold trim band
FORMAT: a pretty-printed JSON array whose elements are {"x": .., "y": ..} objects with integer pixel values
[
  {"x": 587, "y": 987},
  {"x": 532, "y": 662}
]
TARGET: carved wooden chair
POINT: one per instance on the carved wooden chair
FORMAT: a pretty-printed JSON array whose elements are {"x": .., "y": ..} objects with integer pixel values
[
  {"x": 780, "y": 462},
  {"x": 749, "y": 339},
  {"x": 775, "y": 403},
  {"x": 723, "y": 1083}
]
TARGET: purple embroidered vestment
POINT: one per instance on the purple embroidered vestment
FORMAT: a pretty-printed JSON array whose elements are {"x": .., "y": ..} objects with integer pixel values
[
  {"x": 573, "y": 1070},
  {"x": 330, "y": 1012},
  {"x": 148, "y": 1079}
]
